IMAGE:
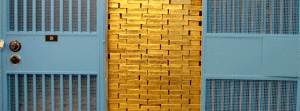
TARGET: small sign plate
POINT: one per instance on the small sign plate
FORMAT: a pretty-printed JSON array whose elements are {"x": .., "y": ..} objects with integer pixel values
[{"x": 53, "y": 38}]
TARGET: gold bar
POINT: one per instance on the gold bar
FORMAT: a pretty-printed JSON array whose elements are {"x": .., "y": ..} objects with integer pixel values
[
  {"x": 139, "y": 10},
  {"x": 137, "y": 1},
  {"x": 158, "y": 1},
  {"x": 117, "y": 10},
  {"x": 169, "y": 6},
  {"x": 132, "y": 15},
  {"x": 152, "y": 6},
  {"x": 130, "y": 5},
  {"x": 158, "y": 11},
  {"x": 181, "y": 1}
]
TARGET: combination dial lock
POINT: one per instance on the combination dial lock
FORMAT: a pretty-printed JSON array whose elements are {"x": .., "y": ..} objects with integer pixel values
[{"x": 15, "y": 46}]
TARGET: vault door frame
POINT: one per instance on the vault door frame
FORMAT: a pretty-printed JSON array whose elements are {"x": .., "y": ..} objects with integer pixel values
[{"x": 100, "y": 33}]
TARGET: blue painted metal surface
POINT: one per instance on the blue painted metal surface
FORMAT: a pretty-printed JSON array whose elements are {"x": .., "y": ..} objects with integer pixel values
[
  {"x": 240, "y": 45},
  {"x": 1, "y": 80},
  {"x": 78, "y": 53}
]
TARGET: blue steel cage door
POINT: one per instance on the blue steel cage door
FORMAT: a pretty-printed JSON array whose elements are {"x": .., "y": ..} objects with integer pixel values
[
  {"x": 251, "y": 54},
  {"x": 67, "y": 74}
]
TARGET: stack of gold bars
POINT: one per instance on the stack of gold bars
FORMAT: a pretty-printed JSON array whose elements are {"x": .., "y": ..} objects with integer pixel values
[{"x": 154, "y": 55}]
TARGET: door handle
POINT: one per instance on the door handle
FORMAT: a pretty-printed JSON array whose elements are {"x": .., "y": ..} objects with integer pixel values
[{"x": 1, "y": 44}]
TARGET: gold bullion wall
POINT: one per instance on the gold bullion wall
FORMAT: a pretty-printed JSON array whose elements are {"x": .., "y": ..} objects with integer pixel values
[{"x": 154, "y": 55}]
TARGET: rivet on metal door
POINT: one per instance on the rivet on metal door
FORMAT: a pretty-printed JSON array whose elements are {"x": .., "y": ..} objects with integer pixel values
[{"x": 53, "y": 56}]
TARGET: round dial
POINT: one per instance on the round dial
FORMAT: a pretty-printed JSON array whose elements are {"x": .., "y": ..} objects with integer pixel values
[{"x": 15, "y": 46}]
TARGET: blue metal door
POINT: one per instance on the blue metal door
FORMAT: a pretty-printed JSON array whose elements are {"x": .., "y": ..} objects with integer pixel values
[
  {"x": 54, "y": 55},
  {"x": 251, "y": 54}
]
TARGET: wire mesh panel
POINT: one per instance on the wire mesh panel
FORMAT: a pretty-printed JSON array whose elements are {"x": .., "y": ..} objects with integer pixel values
[
  {"x": 83, "y": 92},
  {"x": 45, "y": 15},
  {"x": 246, "y": 95},
  {"x": 42, "y": 92},
  {"x": 56, "y": 90},
  {"x": 38, "y": 10},
  {"x": 74, "y": 91},
  {"x": 253, "y": 16},
  {"x": 38, "y": 93},
  {"x": 93, "y": 92}
]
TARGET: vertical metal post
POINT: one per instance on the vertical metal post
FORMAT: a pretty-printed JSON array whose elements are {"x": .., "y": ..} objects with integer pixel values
[
  {"x": 79, "y": 16},
  {"x": 250, "y": 95},
  {"x": 101, "y": 35},
  {"x": 246, "y": 15},
  {"x": 219, "y": 16},
  {"x": 79, "y": 91},
  {"x": 278, "y": 96},
  {"x": 52, "y": 93},
  {"x": 298, "y": 94},
  {"x": 228, "y": 17},
  {"x": 252, "y": 16},
  {"x": 70, "y": 93},
  {"x": 61, "y": 92},
  {"x": 34, "y": 93},
  {"x": 233, "y": 19},
  {"x": 213, "y": 94},
  {"x": 263, "y": 101},
  {"x": 241, "y": 97},
  {"x": 237, "y": 24},
  {"x": 259, "y": 95},
  {"x": 25, "y": 93},
  {"x": 231, "y": 94},
  {"x": 204, "y": 21},
  {"x": 70, "y": 15},
  {"x": 8, "y": 93},
  {"x": 288, "y": 95},
  {"x": 264, "y": 16},
  {"x": 281, "y": 18},
  {"x": 203, "y": 86},
  {"x": 17, "y": 92},
  {"x": 291, "y": 16},
  {"x": 102, "y": 30},
  {"x": 272, "y": 17},
  {"x": 269, "y": 95},
  {"x": 44, "y": 92}
]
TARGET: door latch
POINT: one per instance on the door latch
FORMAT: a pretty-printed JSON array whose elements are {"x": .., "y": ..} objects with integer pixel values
[
  {"x": 15, "y": 59},
  {"x": 1, "y": 44}
]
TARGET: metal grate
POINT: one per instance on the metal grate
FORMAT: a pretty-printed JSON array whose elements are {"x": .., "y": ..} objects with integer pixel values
[
  {"x": 53, "y": 15},
  {"x": 44, "y": 92},
  {"x": 246, "y": 95},
  {"x": 253, "y": 16}
]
